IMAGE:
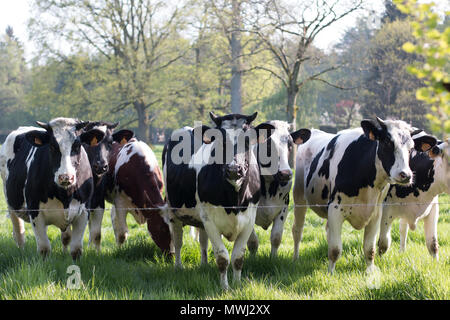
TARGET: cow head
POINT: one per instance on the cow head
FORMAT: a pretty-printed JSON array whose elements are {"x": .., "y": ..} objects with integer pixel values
[
  {"x": 61, "y": 139},
  {"x": 232, "y": 139},
  {"x": 441, "y": 155},
  {"x": 97, "y": 140},
  {"x": 395, "y": 143},
  {"x": 277, "y": 149}
]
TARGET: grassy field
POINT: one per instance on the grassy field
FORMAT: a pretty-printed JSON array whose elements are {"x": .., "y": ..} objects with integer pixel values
[{"x": 138, "y": 271}]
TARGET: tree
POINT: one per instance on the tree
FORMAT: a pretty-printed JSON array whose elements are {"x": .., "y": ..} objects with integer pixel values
[
  {"x": 389, "y": 88},
  {"x": 287, "y": 31},
  {"x": 13, "y": 81},
  {"x": 139, "y": 37},
  {"x": 434, "y": 46}
]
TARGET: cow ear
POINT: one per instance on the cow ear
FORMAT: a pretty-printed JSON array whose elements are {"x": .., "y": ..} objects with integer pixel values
[
  {"x": 206, "y": 136},
  {"x": 113, "y": 125},
  {"x": 371, "y": 130},
  {"x": 123, "y": 136},
  {"x": 215, "y": 119},
  {"x": 44, "y": 125},
  {"x": 301, "y": 136},
  {"x": 251, "y": 118},
  {"x": 424, "y": 143},
  {"x": 264, "y": 131},
  {"x": 81, "y": 124},
  {"x": 37, "y": 138},
  {"x": 92, "y": 137}
]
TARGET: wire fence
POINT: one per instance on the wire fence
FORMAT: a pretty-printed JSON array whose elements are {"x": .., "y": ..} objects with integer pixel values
[{"x": 400, "y": 204}]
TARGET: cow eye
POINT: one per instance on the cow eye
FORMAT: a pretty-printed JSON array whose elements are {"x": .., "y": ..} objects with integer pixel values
[{"x": 76, "y": 147}]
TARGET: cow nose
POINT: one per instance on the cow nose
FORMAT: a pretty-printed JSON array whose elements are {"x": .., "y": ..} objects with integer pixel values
[
  {"x": 65, "y": 179},
  {"x": 234, "y": 172},
  {"x": 284, "y": 175},
  {"x": 404, "y": 177},
  {"x": 100, "y": 168}
]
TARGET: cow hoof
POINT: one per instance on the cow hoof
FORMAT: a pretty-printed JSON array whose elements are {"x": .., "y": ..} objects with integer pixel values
[
  {"x": 76, "y": 254},
  {"x": 122, "y": 238},
  {"x": 44, "y": 252}
]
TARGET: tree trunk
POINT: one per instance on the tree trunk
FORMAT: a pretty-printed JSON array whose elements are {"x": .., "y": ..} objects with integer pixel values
[
  {"x": 291, "y": 110},
  {"x": 143, "y": 132},
  {"x": 236, "y": 52}
]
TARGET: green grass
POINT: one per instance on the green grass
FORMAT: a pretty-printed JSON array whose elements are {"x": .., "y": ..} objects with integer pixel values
[{"x": 138, "y": 271}]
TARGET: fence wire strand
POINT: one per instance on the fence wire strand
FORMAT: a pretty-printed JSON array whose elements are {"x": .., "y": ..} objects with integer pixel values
[{"x": 404, "y": 204}]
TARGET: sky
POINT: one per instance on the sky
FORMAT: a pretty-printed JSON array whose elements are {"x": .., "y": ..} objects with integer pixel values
[{"x": 15, "y": 13}]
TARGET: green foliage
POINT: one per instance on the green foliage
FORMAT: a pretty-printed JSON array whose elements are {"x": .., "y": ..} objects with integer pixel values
[
  {"x": 390, "y": 88},
  {"x": 13, "y": 82},
  {"x": 434, "y": 45}
]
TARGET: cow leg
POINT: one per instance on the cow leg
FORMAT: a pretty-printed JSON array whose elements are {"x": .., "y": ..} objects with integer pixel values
[
  {"x": 253, "y": 242},
  {"x": 297, "y": 227},
  {"x": 194, "y": 232},
  {"x": 430, "y": 227},
  {"x": 334, "y": 224},
  {"x": 66, "y": 236},
  {"x": 277, "y": 231},
  {"x": 95, "y": 227},
  {"x": 237, "y": 255},
  {"x": 177, "y": 230},
  {"x": 40, "y": 233},
  {"x": 78, "y": 227},
  {"x": 119, "y": 222},
  {"x": 219, "y": 249},
  {"x": 370, "y": 236},
  {"x": 203, "y": 239},
  {"x": 403, "y": 228},
  {"x": 384, "y": 241},
  {"x": 18, "y": 229}
]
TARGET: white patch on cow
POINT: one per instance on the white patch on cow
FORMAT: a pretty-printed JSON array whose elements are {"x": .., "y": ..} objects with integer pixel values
[
  {"x": 53, "y": 212},
  {"x": 228, "y": 225},
  {"x": 403, "y": 143},
  {"x": 65, "y": 135},
  {"x": 132, "y": 148},
  {"x": 281, "y": 138},
  {"x": 7, "y": 149}
]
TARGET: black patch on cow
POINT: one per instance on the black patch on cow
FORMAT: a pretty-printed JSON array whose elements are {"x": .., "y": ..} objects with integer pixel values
[
  {"x": 213, "y": 188},
  {"x": 385, "y": 153},
  {"x": 325, "y": 169},
  {"x": 357, "y": 169},
  {"x": 423, "y": 168},
  {"x": 181, "y": 180},
  {"x": 313, "y": 167},
  {"x": 325, "y": 192}
]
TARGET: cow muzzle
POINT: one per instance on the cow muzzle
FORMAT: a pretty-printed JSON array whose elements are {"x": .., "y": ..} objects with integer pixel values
[
  {"x": 403, "y": 178},
  {"x": 66, "y": 180},
  {"x": 100, "y": 168},
  {"x": 284, "y": 175},
  {"x": 234, "y": 172}
]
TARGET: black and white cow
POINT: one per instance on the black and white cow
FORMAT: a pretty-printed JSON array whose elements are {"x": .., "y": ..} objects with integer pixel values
[
  {"x": 47, "y": 181},
  {"x": 276, "y": 183},
  {"x": 346, "y": 176},
  {"x": 98, "y": 140},
  {"x": 215, "y": 186},
  {"x": 419, "y": 200}
]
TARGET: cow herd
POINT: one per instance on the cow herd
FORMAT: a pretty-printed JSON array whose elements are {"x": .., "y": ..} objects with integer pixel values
[{"x": 224, "y": 180}]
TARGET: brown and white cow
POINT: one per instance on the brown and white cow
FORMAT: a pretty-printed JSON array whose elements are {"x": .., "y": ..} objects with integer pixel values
[{"x": 134, "y": 185}]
